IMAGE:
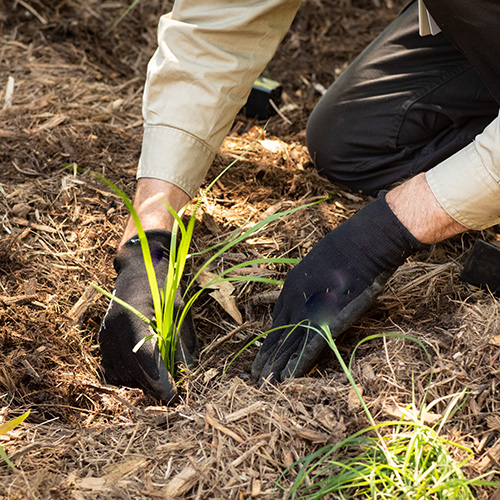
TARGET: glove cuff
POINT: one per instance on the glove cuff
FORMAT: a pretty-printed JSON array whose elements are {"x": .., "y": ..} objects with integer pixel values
[
  {"x": 159, "y": 235},
  {"x": 159, "y": 246},
  {"x": 394, "y": 228},
  {"x": 377, "y": 232}
]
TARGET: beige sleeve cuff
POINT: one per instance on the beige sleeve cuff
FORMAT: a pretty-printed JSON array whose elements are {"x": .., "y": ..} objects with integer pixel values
[
  {"x": 175, "y": 156},
  {"x": 467, "y": 185}
]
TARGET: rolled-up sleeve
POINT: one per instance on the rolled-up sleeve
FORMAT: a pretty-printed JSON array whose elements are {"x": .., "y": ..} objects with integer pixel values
[
  {"x": 467, "y": 185},
  {"x": 208, "y": 56}
]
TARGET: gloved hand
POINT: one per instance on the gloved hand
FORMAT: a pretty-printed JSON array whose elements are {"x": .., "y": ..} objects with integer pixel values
[
  {"x": 335, "y": 284},
  {"x": 121, "y": 329}
]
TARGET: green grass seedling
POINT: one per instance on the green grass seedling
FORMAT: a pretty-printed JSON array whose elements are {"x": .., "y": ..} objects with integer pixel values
[
  {"x": 8, "y": 426},
  {"x": 166, "y": 324},
  {"x": 404, "y": 459}
]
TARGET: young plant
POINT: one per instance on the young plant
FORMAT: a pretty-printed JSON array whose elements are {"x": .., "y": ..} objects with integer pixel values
[
  {"x": 8, "y": 426},
  {"x": 403, "y": 459},
  {"x": 166, "y": 324}
]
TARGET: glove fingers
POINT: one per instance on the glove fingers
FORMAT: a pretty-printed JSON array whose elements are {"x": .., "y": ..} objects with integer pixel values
[
  {"x": 145, "y": 369},
  {"x": 122, "y": 366},
  {"x": 154, "y": 375},
  {"x": 147, "y": 366},
  {"x": 313, "y": 342},
  {"x": 277, "y": 359},
  {"x": 297, "y": 356},
  {"x": 121, "y": 329},
  {"x": 269, "y": 346},
  {"x": 276, "y": 350},
  {"x": 304, "y": 356}
]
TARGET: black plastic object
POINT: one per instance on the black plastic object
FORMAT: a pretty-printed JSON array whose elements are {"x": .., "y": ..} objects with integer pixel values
[
  {"x": 482, "y": 268},
  {"x": 259, "y": 105}
]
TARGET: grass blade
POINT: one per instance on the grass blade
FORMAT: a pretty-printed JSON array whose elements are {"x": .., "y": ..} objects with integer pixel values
[
  {"x": 153, "y": 284},
  {"x": 6, "y": 427},
  {"x": 122, "y": 17}
]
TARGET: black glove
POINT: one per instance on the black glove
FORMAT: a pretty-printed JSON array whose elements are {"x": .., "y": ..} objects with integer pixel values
[
  {"x": 121, "y": 329},
  {"x": 335, "y": 284}
]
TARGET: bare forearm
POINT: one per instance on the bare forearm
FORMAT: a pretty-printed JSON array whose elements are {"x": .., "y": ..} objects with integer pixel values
[{"x": 417, "y": 208}]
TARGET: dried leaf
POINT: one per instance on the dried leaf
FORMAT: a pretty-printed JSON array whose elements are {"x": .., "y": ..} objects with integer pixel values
[
  {"x": 93, "y": 483},
  {"x": 495, "y": 340},
  {"x": 124, "y": 468},
  {"x": 50, "y": 124},
  {"x": 493, "y": 422},
  {"x": 490, "y": 459},
  {"x": 206, "y": 277},
  {"x": 256, "y": 487},
  {"x": 228, "y": 303},
  {"x": 397, "y": 411},
  {"x": 210, "y": 374},
  {"x": 368, "y": 372},
  {"x": 222, "y": 294},
  {"x": 237, "y": 415},
  {"x": 353, "y": 403},
  {"x": 288, "y": 458}
]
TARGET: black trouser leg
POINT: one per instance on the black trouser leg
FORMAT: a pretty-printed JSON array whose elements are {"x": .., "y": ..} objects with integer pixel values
[
  {"x": 474, "y": 27},
  {"x": 404, "y": 105}
]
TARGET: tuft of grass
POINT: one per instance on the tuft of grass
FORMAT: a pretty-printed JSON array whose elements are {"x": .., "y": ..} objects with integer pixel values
[
  {"x": 410, "y": 461},
  {"x": 404, "y": 459},
  {"x": 6, "y": 427},
  {"x": 167, "y": 322}
]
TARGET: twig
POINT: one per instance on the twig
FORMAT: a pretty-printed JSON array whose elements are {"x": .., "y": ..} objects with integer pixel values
[
  {"x": 226, "y": 337},
  {"x": 237, "y": 415},
  {"x": 280, "y": 114},
  {"x": 9, "y": 92},
  {"x": 17, "y": 299},
  {"x": 112, "y": 392},
  {"x": 29, "y": 8},
  {"x": 228, "y": 432},
  {"x": 84, "y": 302},
  {"x": 247, "y": 453}
]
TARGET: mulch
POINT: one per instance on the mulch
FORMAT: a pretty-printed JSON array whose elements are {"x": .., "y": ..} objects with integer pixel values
[{"x": 76, "y": 101}]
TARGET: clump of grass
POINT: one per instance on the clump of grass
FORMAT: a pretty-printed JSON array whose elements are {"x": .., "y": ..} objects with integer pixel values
[
  {"x": 6, "y": 427},
  {"x": 410, "y": 461},
  {"x": 404, "y": 459},
  {"x": 167, "y": 322}
]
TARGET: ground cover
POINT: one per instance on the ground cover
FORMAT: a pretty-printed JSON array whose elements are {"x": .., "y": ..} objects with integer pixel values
[{"x": 76, "y": 100}]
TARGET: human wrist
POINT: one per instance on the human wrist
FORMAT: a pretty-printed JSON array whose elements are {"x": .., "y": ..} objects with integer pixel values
[
  {"x": 418, "y": 210},
  {"x": 151, "y": 202}
]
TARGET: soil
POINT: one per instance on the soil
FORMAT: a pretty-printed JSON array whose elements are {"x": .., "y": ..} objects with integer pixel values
[{"x": 77, "y": 102}]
